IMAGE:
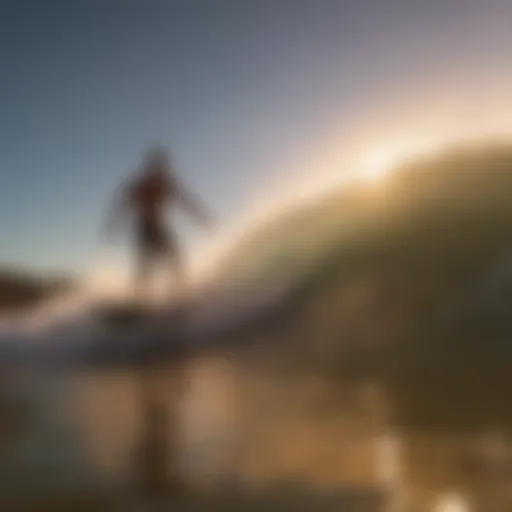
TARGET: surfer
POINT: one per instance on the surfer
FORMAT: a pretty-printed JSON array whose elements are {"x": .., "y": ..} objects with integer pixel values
[{"x": 147, "y": 197}]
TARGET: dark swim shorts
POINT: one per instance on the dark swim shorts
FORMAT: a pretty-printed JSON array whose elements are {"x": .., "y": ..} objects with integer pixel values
[{"x": 154, "y": 238}]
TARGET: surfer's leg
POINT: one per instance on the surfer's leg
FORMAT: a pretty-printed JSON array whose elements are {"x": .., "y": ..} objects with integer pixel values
[
  {"x": 176, "y": 269},
  {"x": 142, "y": 279},
  {"x": 144, "y": 261}
]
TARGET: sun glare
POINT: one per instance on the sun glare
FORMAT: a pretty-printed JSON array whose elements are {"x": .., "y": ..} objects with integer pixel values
[
  {"x": 378, "y": 164},
  {"x": 452, "y": 503}
]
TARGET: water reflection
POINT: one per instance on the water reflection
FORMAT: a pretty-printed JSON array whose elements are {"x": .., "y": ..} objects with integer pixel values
[
  {"x": 452, "y": 503},
  {"x": 238, "y": 422}
]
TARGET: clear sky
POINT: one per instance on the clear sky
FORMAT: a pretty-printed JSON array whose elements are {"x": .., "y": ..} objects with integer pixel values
[{"x": 247, "y": 93}]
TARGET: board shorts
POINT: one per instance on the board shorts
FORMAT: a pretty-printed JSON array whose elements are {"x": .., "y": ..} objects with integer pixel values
[{"x": 154, "y": 239}]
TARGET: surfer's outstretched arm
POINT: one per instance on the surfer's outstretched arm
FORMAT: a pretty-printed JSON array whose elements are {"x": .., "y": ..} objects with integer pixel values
[
  {"x": 194, "y": 207},
  {"x": 118, "y": 210}
]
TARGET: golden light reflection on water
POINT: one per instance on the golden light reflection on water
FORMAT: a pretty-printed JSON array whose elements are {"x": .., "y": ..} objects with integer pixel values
[
  {"x": 452, "y": 503},
  {"x": 244, "y": 422}
]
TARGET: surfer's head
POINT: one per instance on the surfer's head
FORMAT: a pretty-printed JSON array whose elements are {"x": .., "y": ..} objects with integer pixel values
[
  {"x": 157, "y": 161},
  {"x": 157, "y": 155}
]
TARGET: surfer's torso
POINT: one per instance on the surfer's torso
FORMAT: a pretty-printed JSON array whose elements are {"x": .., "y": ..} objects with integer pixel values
[{"x": 149, "y": 197}]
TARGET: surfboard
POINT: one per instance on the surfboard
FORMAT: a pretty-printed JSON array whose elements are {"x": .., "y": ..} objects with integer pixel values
[
  {"x": 131, "y": 333},
  {"x": 122, "y": 314}
]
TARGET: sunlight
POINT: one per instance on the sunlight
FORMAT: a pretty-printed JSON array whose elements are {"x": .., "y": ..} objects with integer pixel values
[
  {"x": 377, "y": 164},
  {"x": 452, "y": 503}
]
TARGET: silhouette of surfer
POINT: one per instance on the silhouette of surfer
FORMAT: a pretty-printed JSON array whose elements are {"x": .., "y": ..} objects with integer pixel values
[{"x": 148, "y": 196}]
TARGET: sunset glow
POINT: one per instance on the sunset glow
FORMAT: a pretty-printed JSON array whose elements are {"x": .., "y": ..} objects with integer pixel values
[{"x": 380, "y": 162}]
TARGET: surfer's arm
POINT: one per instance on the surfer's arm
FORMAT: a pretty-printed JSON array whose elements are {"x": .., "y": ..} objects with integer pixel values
[
  {"x": 193, "y": 206},
  {"x": 118, "y": 210}
]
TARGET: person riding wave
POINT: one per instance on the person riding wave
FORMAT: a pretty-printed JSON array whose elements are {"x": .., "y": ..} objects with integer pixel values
[{"x": 148, "y": 196}]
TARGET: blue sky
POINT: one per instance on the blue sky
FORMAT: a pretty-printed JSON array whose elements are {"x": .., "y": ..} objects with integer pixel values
[{"x": 243, "y": 91}]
